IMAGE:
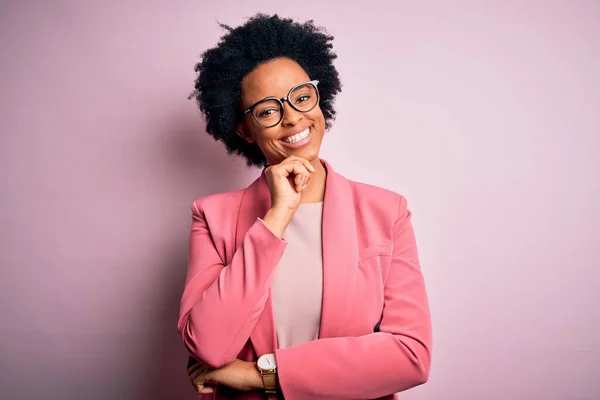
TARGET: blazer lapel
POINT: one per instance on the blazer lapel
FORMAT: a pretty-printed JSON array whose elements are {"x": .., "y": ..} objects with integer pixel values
[
  {"x": 340, "y": 256},
  {"x": 256, "y": 201}
]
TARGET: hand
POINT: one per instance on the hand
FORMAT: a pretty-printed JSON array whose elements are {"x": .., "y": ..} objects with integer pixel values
[
  {"x": 286, "y": 181},
  {"x": 239, "y": 375}
]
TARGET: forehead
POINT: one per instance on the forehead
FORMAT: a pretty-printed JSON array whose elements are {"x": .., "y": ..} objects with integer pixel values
[{"x": 273, "y": 78}]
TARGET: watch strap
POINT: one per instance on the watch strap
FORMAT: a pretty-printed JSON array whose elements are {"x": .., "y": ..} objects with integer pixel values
[{"x": 270, "y": 381}]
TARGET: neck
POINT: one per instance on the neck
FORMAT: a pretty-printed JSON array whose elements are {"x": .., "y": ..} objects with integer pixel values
[{"x": 315, "y": 190}]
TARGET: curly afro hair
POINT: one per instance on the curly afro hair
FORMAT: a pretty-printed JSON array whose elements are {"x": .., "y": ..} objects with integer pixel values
[{"x": 262, "y": 38}]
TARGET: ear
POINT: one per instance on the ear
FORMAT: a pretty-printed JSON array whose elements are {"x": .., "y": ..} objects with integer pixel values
[{"x": 242, "y": 130}]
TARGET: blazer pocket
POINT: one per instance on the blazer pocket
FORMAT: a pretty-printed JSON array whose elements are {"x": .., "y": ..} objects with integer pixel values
[
  {"x": 382, "y": 249},
  {"x": 373, "y": 261}
]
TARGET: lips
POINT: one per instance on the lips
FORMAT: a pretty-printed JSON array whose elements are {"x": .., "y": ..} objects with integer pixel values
[
  {"x": 296, "y": 136},
  {"x": 297, "y": 140}
]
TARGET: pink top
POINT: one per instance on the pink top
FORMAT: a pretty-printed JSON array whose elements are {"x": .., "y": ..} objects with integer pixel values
[{"x": 297, "y": 286}]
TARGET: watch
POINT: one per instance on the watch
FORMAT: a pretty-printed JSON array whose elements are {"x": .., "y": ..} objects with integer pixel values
[{"x": 267, "y": 366}]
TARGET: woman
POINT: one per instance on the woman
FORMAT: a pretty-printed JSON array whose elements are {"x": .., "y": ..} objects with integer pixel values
[{"x": 305, "y": 284}]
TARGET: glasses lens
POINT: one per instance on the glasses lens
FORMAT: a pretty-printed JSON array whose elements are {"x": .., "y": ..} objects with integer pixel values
[
  {"x": 304, "y": 97},
  {"x": 268, "y": 113}
]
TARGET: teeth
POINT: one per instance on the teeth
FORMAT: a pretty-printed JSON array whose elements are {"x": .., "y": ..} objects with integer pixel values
[{"x": 297, "y": 137}]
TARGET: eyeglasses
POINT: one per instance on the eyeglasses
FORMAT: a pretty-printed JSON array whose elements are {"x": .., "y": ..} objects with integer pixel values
[{"x": 268, "y": 112}]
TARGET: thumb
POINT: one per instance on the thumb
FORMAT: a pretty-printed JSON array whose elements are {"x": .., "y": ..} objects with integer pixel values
[
  {"x": 202, "y": 389},
  {"x": 206, "y": 390}
]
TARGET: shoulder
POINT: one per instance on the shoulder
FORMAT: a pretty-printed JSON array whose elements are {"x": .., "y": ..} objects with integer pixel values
[
  {"x": 378, "y": 199},
  {"x": 218, "y": 201},
  {"x": 377, "y": 211}
]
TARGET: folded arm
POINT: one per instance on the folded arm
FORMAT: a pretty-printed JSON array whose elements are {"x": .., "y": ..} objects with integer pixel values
[{"x": 221, "y": 303}]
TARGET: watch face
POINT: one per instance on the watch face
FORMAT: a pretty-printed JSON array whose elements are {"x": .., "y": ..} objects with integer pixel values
[{"x": 267, "y": 361}]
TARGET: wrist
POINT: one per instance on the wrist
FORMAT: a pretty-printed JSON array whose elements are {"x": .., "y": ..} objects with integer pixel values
[
  {"x": 282, "y": 211},
  {"x": 255, "y": 379},
  {"x": 277, "y": 219},
  {"x": 267, "y": 366}
]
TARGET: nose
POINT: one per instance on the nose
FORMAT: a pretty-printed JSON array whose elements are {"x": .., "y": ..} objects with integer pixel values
[{"x": 291, "y": 116}]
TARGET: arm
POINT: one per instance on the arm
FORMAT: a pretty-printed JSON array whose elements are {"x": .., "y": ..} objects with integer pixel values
[
  {"x": 236, "y": 377},
  {"x": 221, "y": 304},
  {"x": 378, "y": 364}
]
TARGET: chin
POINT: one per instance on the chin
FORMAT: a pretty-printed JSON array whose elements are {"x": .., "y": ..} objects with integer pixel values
[{"x": 310, "y": 153}]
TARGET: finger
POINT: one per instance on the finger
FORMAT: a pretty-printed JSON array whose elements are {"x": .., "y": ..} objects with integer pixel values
[
  {"x": 295, "y": 173},
  {"x": 194, "y": 368},
  {"x": 308, "y": 178},
  {"x": 204, "y": 389},
  {"x": 293, "y": 160},
  {"x": 200, "y": 384},
  {"x": 305, "y": 179},
  {"x": 200, "y": 388},
  {"x": 299, "y": 180},
  {"x": 198, "y": 371},
  {"x": 295, "y": 168},
  {"x": 195, "y": 375},
  {"x": 304, "y": 162},
  {"x": 308, "y": 165}
]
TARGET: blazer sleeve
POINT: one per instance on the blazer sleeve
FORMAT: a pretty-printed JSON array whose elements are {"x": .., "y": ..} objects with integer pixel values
[
  {"x": 377, "y": 364},
  {"x": 221, "y": 303}
]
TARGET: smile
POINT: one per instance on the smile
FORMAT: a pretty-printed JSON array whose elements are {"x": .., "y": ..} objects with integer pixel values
[{"x": 297, "y": 137}]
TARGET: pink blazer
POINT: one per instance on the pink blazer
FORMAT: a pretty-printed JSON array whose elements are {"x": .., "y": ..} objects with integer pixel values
[{"x": 375, "y": 333}]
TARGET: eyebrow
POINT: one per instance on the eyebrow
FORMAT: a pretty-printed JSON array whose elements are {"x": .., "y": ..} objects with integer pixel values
[{"x": 277, "y": 97}]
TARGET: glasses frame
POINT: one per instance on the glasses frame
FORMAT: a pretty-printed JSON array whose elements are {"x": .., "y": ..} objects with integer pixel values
[{"x": 283, "y": 99}]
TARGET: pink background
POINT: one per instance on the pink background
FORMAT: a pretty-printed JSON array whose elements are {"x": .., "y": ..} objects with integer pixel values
[{"x": 485, "y": 115}]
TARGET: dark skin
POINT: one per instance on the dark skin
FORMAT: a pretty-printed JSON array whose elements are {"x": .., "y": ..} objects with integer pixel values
[{"x": 274, "y": 78}]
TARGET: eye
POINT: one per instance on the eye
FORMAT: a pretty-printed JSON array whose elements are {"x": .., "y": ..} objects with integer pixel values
[
  {"x": 302, "y": 98},
  {"x": 267, "y": 112}
]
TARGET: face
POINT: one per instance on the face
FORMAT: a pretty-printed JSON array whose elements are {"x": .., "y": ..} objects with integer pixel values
[{"x": 276, "y": 78}]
